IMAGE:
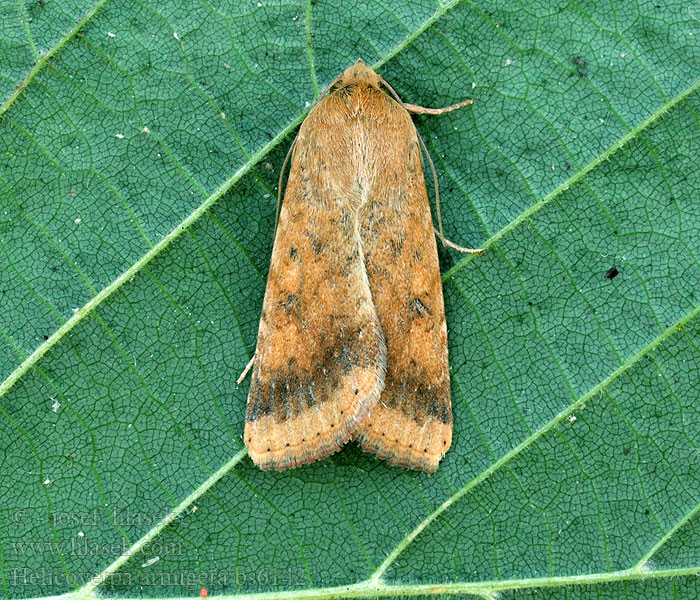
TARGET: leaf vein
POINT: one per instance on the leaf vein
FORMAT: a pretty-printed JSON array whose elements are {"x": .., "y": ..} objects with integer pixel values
[
  {"x": 516, "y": 450},
  {"x": 564, "y": 186},
  {"x": 43, "y": 61}
]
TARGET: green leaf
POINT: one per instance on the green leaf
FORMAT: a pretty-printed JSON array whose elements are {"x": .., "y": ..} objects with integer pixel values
[{"x": 140, "y": 145}]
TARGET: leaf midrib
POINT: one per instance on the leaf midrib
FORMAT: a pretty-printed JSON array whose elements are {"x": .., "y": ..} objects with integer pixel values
[
  {"x": 374, "y": 585},
  {"x": 369, "y": 589}
]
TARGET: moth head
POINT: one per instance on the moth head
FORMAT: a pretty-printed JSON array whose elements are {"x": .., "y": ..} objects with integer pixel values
[{"x": 359, "y": 73}]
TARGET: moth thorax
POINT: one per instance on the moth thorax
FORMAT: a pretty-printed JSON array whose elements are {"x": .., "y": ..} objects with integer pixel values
[{"x": 359, "y": 73}]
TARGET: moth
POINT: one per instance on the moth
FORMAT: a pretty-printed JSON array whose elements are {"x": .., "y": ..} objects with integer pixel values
[{"x": 352, "y": 342}]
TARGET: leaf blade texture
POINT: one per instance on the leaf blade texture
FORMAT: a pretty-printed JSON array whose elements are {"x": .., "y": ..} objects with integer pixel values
[{"x": 139, "y": 153}]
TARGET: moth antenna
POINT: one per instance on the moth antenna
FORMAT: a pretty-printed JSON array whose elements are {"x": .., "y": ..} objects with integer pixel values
[
  {"x": 391, "y": 89},
  {"x": 430, "y": 160},
  {"x": 437, "y": 188},
  {"x": 434, "y": 111},
  {"x": 443, "y": 239}
]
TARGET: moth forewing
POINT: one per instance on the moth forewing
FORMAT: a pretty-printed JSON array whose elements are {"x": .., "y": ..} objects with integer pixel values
[
  {"x": 352, "y": 339},
  {"x": 320, "y": 357}
]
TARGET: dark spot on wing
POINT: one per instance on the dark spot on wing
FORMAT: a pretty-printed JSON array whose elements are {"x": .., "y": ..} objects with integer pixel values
[
  {"x": 396, "y": 246},
  {"x": 315, "y": 243},
  {"x": 419, "y": 397},
  {"x": 291, "y": 303},
  {"x": 292, "y": 390},
  {"x": 420, "y": 309}
]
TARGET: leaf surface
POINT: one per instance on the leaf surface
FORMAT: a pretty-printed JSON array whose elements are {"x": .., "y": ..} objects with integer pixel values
[{"x": 140, "y": 146}]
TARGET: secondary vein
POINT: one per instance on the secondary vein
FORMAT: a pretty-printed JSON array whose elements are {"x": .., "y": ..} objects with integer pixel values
[
  {"x": 561, "y": 188},
  {"x": 41, "y": 63},
  {"x": 506, "y": 458}
]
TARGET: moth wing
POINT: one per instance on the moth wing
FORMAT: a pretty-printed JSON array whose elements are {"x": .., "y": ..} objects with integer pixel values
[
  {"x": 320, "y": 357},
  {"x": 411, "y": 425}
]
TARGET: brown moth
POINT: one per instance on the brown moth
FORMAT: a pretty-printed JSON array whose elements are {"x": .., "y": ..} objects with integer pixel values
[{"x": 352, "y": 340}]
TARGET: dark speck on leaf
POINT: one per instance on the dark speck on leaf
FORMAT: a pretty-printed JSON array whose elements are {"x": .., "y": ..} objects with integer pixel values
[
  {"x": 612, "y": 273},
  {"x": 581, "y": 65}
]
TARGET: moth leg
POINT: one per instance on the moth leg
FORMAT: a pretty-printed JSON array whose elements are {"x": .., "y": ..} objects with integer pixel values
[
  {"x": 447, "y": 242},
  {"x": 248, "y": 367},
  {"x": 423, "y": 110}
]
